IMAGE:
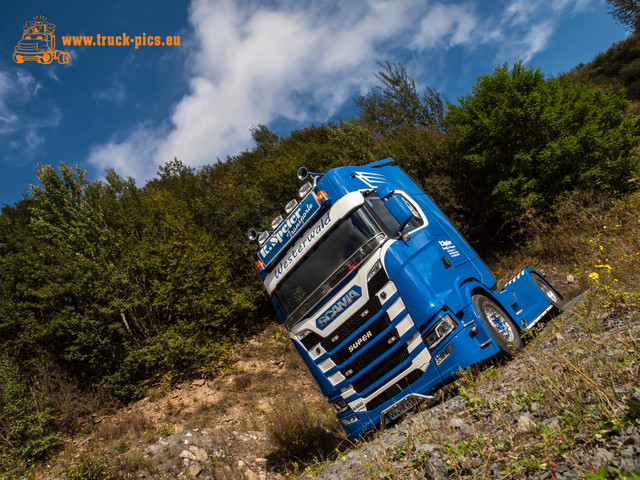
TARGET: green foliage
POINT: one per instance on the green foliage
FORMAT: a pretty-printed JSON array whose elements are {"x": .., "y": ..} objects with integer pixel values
[
  {"x": 626, "y": 12},
  {"x": 614, "y": 69},
  {"x": 603, "y": 474},
  {"x": 28, "y": 425},
  {"x": 531, "y": 139},
  {"x": 90, "y": 468},
  {"x": 397, "y": 104}
]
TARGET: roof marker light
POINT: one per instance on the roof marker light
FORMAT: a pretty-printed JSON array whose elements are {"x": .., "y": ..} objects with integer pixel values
[
  {"x": 262, "y": 238},
  {"x": 275, "y": 223},
  {"x": 291, "y": 206},
  {"x": 259, "y": 265},
  {"x": 304, "y": 189}
]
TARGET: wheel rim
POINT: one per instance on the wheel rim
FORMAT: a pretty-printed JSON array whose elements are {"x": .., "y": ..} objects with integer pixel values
[
  {"x": 551, "y": 295},
  {"x": 500, "y": 323}
]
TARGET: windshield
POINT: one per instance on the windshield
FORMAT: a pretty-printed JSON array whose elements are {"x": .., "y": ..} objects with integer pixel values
[{"x": 338, "y": 255}]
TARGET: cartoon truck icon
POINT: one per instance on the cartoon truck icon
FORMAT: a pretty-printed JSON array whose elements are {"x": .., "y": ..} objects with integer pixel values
[{"x": 38, "y": 43}]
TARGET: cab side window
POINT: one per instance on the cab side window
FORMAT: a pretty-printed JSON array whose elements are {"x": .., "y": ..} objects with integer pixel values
[{"x": 377, "y": 205}]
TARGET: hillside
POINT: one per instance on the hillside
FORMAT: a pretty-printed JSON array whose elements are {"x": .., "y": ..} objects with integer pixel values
[
  {"x": 618, "y": 67},
  {"x": 564, "y": 407}
]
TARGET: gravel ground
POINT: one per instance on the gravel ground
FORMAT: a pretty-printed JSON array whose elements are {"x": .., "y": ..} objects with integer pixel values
[{"x": 406, "y": 451}]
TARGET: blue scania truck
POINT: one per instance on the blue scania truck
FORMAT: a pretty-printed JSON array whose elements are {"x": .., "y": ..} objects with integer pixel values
[{"x": 383, "y": 298}]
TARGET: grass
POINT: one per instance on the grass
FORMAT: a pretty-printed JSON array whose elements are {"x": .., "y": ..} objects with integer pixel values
[{"x": 575, "y": 373}]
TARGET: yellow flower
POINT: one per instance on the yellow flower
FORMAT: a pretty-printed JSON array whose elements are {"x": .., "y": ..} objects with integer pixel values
[
  {"x": 593, "y": 276},
  {"x": 601, "y": 247},
  {"x": 344, "y": 459},
  {"x": 607, "y": 266}
]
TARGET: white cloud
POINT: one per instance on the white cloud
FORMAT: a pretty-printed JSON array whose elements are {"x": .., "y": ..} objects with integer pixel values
[
  {"x": 24, "y": 112},
  {"x": 115, "y": 93},
  {"x": 253, "y": 62},
  {"x": 536, "y": 40},
  {"x": 131, "y": 157},
  {"x": 446, "y": 25}
]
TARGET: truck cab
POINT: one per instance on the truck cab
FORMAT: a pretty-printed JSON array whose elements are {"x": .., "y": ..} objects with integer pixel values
[{"x": 383, "y": 298}]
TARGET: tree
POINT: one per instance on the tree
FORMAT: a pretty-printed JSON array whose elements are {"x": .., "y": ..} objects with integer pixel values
[
  {"x": 626, "y": 12},
  {"x": 397, "y": 103},
  {"x": 528, "y": 139}
]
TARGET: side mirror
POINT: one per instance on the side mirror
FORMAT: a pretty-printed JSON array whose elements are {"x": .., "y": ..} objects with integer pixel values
[{"x": 400, "y": 211}]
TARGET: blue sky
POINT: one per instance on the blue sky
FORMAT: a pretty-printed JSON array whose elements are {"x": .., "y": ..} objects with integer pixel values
[{"x": 283, "y": 63}]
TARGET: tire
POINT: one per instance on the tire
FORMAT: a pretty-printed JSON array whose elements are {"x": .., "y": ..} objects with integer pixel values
[
  {"x": 46, "y": 58},
  {"x": 63, "y": 58},
  {"x": 502, "y": 329},
  {"x": 545, "y": 287}
]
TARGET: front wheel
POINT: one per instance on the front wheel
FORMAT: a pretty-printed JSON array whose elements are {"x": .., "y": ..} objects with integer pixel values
[
  {"x": 548, "y": 290},
  {"x": 503, "y": 330}
]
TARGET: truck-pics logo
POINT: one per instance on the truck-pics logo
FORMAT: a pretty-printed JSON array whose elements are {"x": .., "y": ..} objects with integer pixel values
[
  {"x": 38, "y": 43},
  {"x": 337, "y": 308}
]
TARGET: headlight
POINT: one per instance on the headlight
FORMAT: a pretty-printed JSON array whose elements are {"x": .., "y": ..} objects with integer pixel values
[
  {"x": 376, "y": 268},
  {"x": 437, "y": 334},
  {"x": 303, "y": 334},
  {"x": 339, "y": 405}
]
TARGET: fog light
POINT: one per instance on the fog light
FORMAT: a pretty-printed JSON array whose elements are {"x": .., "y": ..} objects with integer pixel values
[
  {"x": 275, "y": 223},
  {"x": 349, "y": 420},
  {"x": 443, "y": 354},
  {"x": 290, "y": 207},
  {"x": 339, "y": 405}
]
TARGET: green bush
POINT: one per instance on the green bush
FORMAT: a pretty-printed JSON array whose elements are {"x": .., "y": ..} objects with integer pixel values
[{"x": 28, "y": 426}]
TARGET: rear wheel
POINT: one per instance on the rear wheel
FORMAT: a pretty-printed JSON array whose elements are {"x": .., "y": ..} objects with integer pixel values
[
  {"x": 62, "y": 57},
  {"x": 503, "y": 330},
  {"x": 546, "y": 288},
  {"x": 46, "y": 58}
]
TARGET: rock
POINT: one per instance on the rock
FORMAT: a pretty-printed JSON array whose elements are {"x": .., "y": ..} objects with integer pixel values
[
  {"x": 634, "y": 405},
  {"x": 261, "y": 461},
  {"x": 198, "y": 383},
  {"x": 602, "y": 457},
  {"x": 250, "y": 475},
  {"x": 195, "y": 470},
  {"x": 201, "y": 454},
  {"x": 188, "y": 455},
  {"x": 459, "y": 424},
  {"x": 435, "y": 469},
  {"x": 570, "y": 278},
  {"x": 525, "y": 423}
]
